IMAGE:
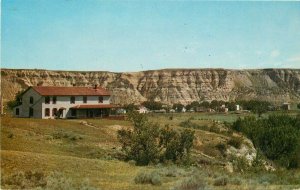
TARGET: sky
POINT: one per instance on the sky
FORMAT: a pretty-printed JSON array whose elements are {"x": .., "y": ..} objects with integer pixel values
[{"x": 122, "y": 36}]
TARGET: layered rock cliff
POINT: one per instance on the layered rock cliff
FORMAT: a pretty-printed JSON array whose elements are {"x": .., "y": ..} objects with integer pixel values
[{"x": 169, "y": 85}]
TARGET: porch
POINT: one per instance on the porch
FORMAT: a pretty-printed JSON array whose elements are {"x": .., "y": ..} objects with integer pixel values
[{"x": 92, "y": 111}]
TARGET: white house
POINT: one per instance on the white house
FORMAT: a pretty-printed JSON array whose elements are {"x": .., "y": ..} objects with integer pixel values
[
  {"x": 143, "y": 109},
  {"x": 64, "y": 102}
]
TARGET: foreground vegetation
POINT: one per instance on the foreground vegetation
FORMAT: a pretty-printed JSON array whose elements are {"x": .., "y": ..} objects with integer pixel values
[
  {"x": 278, "y": 137},
  {"x": 87, "y": 154}
]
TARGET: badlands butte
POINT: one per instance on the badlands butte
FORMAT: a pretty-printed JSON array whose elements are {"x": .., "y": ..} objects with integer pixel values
[{"x": 167, "y": 85}]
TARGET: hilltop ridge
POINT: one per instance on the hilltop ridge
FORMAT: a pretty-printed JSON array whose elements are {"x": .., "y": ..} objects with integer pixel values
[{"x": 167, "y": 85}]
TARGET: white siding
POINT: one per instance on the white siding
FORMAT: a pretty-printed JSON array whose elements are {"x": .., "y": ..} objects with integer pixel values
[
  {"x": 39, "y": 104},
  {"x": 24, "y": 108},
  {"x": 64, "y": 102}
]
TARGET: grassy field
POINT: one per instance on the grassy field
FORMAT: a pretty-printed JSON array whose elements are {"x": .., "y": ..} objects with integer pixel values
[{"x": 89, "y": 150}]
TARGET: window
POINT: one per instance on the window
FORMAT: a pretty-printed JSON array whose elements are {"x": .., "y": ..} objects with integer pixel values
[
  {"x": 54, "y": 112},
  {"x": 47, "y": 112},
  {"x": 31, "y": 100},
  {"x": 72, "y": 100},
  {"x": 54, "y": 99},
  {"x": 47, "y": 100},
  {"x": 30, "y": 112},
  {"x": 100, "y": 99},
  {"x": 73, "y": 112},
  {"x": 84, "y": 99},
  {"x": 17, "y": 111}
]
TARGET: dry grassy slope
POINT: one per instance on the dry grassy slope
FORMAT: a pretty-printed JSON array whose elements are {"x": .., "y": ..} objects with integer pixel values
[
  {"x": 49, "y": 145},
  {"x": 169, "y": 85},
  {"x": 82, "y": 151},
  {"x": 30, "y": 144}
]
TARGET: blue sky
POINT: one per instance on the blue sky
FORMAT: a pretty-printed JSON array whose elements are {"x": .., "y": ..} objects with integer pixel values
[{"x": 132, "y": 35}]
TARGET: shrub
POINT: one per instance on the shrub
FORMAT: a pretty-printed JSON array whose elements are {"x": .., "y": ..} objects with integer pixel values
[
  {"x": 38, "y": 180},
  {"x": 240, "y": 164},
  {"x": 276, "y": 136},
  {"x": 236, "y": 181},
  {"x": 148, "y": 178},
  {"x": 235, "y": 142},
  {"x": 24, "y": 180},
  {"x": 191, "y": 183},
  {"x": 170, "y": 171},
  {"x": 221, "y": 181},
  {"x": 66, "y": 135},
  {"x": 148, "y": 143}
]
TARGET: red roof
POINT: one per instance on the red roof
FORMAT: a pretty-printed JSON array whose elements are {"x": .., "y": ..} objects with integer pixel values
[
  {"x": 70, "y": 91},
  {"x": 86, "y": 106}
]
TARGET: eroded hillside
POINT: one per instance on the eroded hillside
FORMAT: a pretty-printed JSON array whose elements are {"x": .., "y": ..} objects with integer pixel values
[{"x": 169, "y": 85}]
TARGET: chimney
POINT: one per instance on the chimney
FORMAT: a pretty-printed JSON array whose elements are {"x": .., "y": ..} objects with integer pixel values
[{"x": 96, "y": 86}]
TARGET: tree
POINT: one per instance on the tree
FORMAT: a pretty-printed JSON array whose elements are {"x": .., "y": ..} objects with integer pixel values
[
  {"x": 193, "y": 105},
  {"x": 205, "y": 104},
  {"x": 140, "y": 144},
  {"x": 230, "y": 106},
  {"x": 16, "y": 102},
  {"x": 259, "y": 107},
  {"x": 178, "y": 107},
  {"x": 147, "y": 142},
  {"x": 130, "y": 107},
  {"x": 277, "y": 136},
  {"x": 152, "y": 105}
]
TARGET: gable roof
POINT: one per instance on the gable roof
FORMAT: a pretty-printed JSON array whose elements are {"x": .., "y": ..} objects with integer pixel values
[{"x": 70, "y": 91}]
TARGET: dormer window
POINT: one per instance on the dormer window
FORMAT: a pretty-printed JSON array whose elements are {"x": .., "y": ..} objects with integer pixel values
[
  {"x": 72, "y": 100},
  {"x": 100, "y": 99},
  {"x": 31, "y": 100},
  {"x": 47, "y": 100}
]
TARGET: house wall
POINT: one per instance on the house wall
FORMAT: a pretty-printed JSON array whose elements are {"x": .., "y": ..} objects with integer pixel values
[
  {"x": 65, "y": 102},
  {"x": 24, "y": 108}
]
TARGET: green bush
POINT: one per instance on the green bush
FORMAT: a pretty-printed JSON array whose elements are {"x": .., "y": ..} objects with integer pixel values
[
  {"x": 66, "y": 135},
  {"x": 278, "y": 137},
  {"x": 240, "y": 164},
  {"x": 148, "y": 178},
  {"x": 149, "y": 143},
  {"x": 171, "y": 171},
  {"x": 24, "y": 180},
  {"x": 236, "y": 181},
  {"x": 38, "y": 180},
  {"x": 192, "y": 183}
]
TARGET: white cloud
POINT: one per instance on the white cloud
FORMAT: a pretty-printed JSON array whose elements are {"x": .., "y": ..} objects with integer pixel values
[{"x": 275, "y": 53}]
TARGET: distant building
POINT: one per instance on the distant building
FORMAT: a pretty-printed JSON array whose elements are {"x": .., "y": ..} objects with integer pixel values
[
  {"x": 237, "y": 107},
  {"x": 48, "y": 102},
  {"x": 286, "y": 106},
  {"x": 203, "y": 109},
  {"x": 143, "y": 109},
  {"x": 183, "y": 110}
]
